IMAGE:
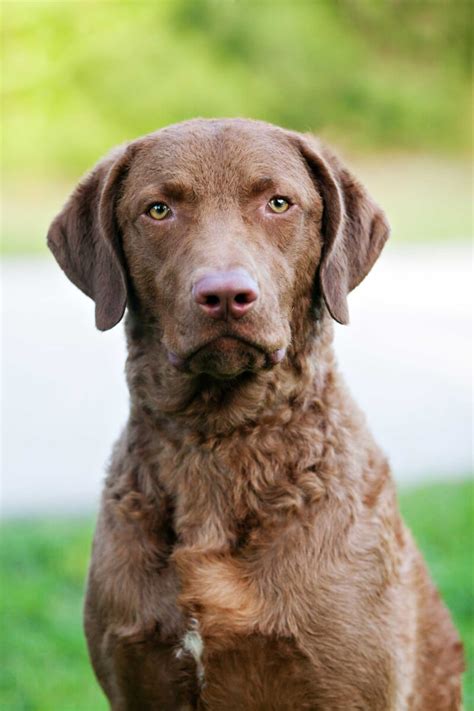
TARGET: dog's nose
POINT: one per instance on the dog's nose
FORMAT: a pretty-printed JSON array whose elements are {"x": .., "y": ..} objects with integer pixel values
[{"x": 226, "y": 294}]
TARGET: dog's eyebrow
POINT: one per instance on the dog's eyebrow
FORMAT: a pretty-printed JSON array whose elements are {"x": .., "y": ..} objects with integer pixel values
[
  {"x": 260, "y": 185},
  {"x": 177, "y": 190}
]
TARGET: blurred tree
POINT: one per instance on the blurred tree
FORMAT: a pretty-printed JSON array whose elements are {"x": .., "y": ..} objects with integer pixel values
[{"x": 84, "y": 75}]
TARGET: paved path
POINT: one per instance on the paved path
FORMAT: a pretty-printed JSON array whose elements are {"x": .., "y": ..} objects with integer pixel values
[{"x": 406, "y": 355}]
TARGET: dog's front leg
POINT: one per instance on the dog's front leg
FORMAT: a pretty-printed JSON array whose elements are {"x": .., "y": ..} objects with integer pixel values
[{"x": 138, "y": 672}]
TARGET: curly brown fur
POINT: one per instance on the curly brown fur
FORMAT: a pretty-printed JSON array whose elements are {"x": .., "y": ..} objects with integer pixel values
[{"x": 249, "y": 552}]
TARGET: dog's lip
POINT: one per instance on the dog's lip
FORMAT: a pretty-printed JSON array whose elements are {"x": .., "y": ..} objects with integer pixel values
[{"x": 180, "y": 361}]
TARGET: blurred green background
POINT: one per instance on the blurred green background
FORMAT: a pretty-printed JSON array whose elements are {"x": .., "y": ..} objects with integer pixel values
[{"x": 386, "y": 82}]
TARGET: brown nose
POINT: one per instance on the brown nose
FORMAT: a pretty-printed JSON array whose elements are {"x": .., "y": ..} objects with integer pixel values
[{"x": 226, "y": 294}]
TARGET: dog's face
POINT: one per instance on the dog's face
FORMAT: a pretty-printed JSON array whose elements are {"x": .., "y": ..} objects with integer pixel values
[
  {"x": 217, "y": 231},
  {"x": 217, "y": 223}
]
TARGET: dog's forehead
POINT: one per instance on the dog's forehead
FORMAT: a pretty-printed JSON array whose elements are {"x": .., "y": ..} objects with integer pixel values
[{"x": 215, "y": 156}]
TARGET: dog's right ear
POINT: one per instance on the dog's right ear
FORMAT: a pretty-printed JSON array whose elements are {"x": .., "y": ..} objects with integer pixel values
[{"x": 85, "y": 239}]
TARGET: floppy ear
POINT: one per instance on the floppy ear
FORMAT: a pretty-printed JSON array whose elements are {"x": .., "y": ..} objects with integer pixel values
[
  {"x": 354, "y": 228},
  {"x": 85, "y": 239}
]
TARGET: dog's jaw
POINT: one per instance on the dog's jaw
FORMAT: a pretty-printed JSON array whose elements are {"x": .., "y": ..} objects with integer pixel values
[
  {"x": 164, "y": 388},
  {"x": 227, "y": 357}
]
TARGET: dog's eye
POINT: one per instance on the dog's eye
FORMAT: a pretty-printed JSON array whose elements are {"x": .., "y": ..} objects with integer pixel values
[
  {"x": 278, "y": 204},
  {"x": 159, "y": 211}
]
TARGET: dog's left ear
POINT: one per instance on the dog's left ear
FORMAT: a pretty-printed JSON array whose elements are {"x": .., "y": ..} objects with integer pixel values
[{"x": 354, "y": 228}]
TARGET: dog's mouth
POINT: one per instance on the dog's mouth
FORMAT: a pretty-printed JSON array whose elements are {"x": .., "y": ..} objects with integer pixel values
[{"x": 227, "y": 357}]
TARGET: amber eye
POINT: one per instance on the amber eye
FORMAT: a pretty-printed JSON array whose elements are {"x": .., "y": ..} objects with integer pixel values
[
  {"x": 279, "y": 204},
  {"x": 159, "y": 211}
]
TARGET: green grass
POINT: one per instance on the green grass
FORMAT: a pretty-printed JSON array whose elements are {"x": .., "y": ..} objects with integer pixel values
[
  {"x": 44, "y": 659},
  {"x": 45, "y": 665},
  {"x": 441, "y": 518}
]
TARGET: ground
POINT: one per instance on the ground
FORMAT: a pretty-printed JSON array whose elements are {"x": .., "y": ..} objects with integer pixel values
[{"x": 44, "y": 560}]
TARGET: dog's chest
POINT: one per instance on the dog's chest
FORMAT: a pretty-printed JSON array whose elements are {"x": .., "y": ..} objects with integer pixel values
[
  {"x": 268, "y": 582},
  {"x": 224, "y": 492},
  {"x": 260, "y": 631},
  {"x": 246, "y": 537},
  {"x": 270, "y": 620}
]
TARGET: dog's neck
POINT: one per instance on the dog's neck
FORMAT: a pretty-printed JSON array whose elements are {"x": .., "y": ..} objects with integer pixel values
[
  {"x": 203, "y": 443},
  {"x": 176, "y": 402}
]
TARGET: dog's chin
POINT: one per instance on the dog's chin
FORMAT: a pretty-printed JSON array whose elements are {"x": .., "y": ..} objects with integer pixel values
[{"x": 228, "y": 357}]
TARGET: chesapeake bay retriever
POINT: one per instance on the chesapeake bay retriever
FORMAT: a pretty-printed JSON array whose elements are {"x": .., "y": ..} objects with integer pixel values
[{"x": 249, "y": 552}]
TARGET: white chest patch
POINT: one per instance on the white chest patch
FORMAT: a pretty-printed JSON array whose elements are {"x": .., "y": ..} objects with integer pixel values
[{"x": 192, "y": 644}]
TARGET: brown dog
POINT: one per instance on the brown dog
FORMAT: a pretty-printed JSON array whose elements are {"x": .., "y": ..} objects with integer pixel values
[{"x": 249, "y": 552}]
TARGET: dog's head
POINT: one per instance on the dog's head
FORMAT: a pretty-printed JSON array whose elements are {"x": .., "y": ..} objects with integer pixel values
[{"x": 217, "y": 232}]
